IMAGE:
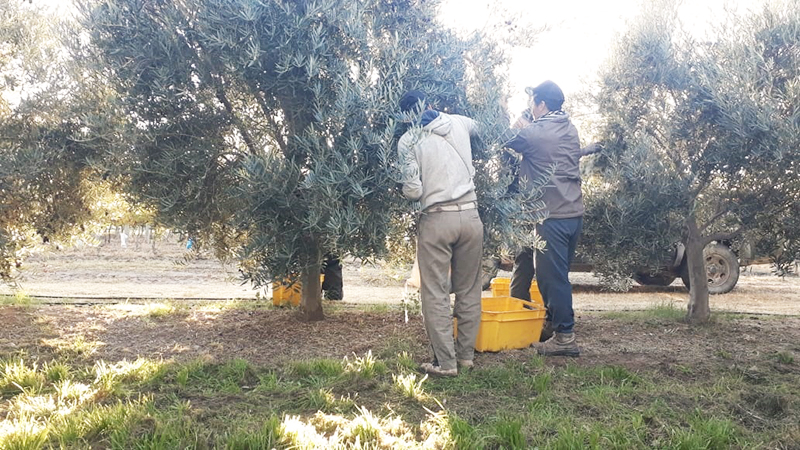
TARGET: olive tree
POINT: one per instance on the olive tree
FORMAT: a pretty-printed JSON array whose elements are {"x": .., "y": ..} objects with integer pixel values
[
  {"x": 44, "y": 169},
  {"x": 701, "y": 141},
  {"x": 267, "y": 129}
]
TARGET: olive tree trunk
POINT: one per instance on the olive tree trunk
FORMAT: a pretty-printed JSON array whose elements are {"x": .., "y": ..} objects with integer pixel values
[
  {"x": 311, "y": 297},
  {"x": 698, "y": 310}
]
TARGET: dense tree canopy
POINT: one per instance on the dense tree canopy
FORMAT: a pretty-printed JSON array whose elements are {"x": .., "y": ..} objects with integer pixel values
[
  {"x": 43, "y": 163},
  {"x": 267, "y": 129},
  {"x": 701, "y": 142}
]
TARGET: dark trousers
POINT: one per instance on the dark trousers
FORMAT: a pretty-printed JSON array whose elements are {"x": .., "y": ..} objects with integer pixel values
[
  {"x": 522, "y": 275},
  {"x": 333, "y": 285},
  {"x": 551, "y": 270}
]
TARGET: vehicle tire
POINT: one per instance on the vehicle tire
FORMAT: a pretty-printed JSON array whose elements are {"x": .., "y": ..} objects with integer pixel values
[
  {"x": 659, "y": 279},
  {"x": 722, "y": 268}
]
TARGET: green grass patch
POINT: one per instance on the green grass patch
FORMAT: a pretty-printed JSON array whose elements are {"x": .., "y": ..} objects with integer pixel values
[
  {"x": 160, "y": 310},
  {"x": 229, "y": 378},
  {"x": 784, "y": 358},
  {"x": 77, "y": 347},
  {"x": 366, "y": 366},
  {"x": 325, "y": 368},
  {"x": 18, "y": 375},
  {"x": 661, "y": 312},
  {"x": 380, "y": 400},
  {"x": 19, "y": 298}
]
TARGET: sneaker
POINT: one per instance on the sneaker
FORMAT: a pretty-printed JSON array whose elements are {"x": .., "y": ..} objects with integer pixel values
[
  {"x": 547, "y": 331},
  {"x": 435, "y": 369},
  {"x": 561, "y": 344},
  {"x": 466, "y": 363}
]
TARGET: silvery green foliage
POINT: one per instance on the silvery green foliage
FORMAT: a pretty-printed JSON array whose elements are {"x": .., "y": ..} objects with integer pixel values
[
  {"x": 268, "y": 129},
  {"x": 42, "y": 159},
  {"x": 697, "y": 132}
]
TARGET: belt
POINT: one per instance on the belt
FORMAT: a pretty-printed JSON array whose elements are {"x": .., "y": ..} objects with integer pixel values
[{"x": 453, "y": 208}]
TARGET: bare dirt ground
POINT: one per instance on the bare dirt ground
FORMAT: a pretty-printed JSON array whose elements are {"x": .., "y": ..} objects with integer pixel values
[
  {"x": 269, "y": 337},
  {"x": 161, "y": 272},
  {"x": 127, "y": 328}
]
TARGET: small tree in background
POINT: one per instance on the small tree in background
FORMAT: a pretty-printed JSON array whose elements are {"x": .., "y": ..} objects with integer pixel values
[
  {"x": 269, "y": 128},
  {"x": 701, "y": 143}
]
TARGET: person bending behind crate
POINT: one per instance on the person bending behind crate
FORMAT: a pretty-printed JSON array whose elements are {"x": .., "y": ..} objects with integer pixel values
[
  {"x": 547, "y": 139},
  {"x": 435, "y": 158},
  {"x": 332, "y": 283}
]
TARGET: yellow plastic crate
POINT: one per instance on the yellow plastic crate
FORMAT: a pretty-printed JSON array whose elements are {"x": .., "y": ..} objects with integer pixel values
[
  {"x": 286, "y": 293},
  {"x": 501, "y": 287},
  {"x": 506, "y": 323}
]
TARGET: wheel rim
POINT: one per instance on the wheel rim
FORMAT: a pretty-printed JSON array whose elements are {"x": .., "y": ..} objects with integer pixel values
[{"x": 717, "y": 270}]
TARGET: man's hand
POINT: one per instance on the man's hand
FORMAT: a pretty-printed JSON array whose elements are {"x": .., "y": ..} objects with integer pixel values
[
  {"x": 592, "y": 148},
  {"x": 524, "y": 120}
]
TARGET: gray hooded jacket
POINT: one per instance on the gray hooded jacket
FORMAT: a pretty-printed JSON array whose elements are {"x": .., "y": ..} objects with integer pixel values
[
  {"x": 436, "y": 161},
  {"x": 550, "y": 141}
]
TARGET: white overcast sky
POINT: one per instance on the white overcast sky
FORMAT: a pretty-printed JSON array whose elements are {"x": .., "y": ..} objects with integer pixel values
[{"x": 579, "y": 36}]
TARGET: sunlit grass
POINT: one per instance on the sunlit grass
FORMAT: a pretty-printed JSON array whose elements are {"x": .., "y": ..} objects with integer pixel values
[
  {"x": 23, "y": 434},
  {"x": 19, "y": 298},
  {"x": 512, "y": 400},
  {"x": 380, "y": 308},
  {"x": 55, "y": 371},
  {"x": 74, "y": 347},
  {"x": 410, "y": 386},
  {"x": 366, "y": 366},
  {"x": 159, "y": 310},
  {"x": 111, "y": 377},
  {"x": 18, "y": 375}
]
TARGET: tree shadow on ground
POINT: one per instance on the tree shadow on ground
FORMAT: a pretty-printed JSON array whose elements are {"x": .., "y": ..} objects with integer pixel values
[{"x": 264, "y": 336}]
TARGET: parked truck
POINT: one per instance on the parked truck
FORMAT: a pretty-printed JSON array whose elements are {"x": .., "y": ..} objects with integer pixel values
[{"x": 722, "y": 267}]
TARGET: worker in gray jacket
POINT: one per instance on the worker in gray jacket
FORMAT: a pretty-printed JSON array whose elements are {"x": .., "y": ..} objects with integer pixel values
[
  {"x": 435, "y": 159},
  {"x": 549, "y": 141}
]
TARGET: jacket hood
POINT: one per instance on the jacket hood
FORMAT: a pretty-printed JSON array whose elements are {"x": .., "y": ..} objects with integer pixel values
[
  {"x": 441, "y": 125},
  {"x": 554, "y": 116}
]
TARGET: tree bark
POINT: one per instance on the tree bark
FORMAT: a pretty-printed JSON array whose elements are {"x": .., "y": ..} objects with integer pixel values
[
  {"x": 311, "y": 297},
  {"x": 698, "y": 310}
]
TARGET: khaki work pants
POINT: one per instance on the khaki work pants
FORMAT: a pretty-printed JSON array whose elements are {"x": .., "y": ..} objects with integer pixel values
[{"x": 450, "y": 248}]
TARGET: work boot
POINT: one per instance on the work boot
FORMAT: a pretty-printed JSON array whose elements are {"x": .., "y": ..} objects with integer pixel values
[
  {"x": 466, "y": 363},
  {"x": 547, "y": 331},
  {"x": 561, "y": 344},
  {"x": 435, "y": 369}
]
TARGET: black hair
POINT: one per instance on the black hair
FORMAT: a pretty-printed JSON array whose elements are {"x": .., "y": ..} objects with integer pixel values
[
  {"x": 549, "y": 93},
  {"x": 411, "y": 100}
]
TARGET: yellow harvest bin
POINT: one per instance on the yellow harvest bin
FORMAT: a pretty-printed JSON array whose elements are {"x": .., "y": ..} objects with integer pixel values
[
  {"x": 285, "y": 293},
  {"x": 501, "y": 287},
  {"x": 507, "y": 323}
]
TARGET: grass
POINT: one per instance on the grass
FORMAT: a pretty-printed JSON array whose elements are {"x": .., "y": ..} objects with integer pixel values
[
  {"x": 664, "y": 311},
  {"x": 379, "y": 400},
  {"x": 20, "y": 298},
  {"x": 159, "y": 310}
]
